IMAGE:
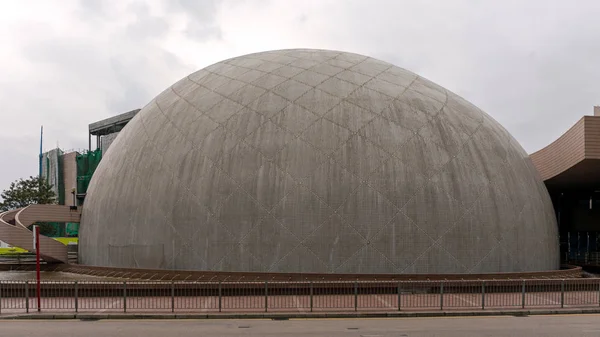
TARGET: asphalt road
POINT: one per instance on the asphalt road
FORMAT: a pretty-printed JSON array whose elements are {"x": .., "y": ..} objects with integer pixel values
[{"x": 557, "y": 325}]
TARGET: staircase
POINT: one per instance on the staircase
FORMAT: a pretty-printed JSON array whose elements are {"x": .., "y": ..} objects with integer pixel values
[{"x": 14, "y": 229}]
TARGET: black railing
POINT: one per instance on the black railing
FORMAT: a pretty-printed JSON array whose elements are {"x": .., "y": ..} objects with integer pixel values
[{"x": 265, "y": 296}]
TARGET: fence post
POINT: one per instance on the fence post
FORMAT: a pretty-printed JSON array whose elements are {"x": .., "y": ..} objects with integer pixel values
[
  {"x": 482, "y": 295},
  {"x": 76, "y": 286},
  {"x": 562, "y": 293},
  {"x": 355, "y": 295},
  {"x": 27, "y": 296},
  {"x": 266, "y": 295},
  {"x": 219, "y": 296},
  {"x": 523, "y": 295},
  {"x": 172, "y": 296},
  {"x": 124, "y": 296},
  {"x": 442, "y": 295},
  {"x": 399, "y": 296},
  {"x": 311, "y": 296}
]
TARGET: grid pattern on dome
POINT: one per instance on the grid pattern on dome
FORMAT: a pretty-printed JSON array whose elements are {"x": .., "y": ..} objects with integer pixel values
[{"x": 322, "y": 161}]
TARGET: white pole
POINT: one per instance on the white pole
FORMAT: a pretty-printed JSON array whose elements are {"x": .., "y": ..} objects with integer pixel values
[{"x": 34, "y": 237}]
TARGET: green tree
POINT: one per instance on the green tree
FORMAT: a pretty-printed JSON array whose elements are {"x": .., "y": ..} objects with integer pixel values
[{"x": 23, "y": 192}]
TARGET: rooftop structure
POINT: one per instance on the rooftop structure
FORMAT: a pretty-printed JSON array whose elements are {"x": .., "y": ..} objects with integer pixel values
[
  {"x": 570, "y": 168},
  {"x": 107, "y": 129}
]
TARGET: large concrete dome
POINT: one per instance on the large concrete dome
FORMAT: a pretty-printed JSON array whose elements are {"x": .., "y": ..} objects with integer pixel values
[{"x": 316, "y": 161}]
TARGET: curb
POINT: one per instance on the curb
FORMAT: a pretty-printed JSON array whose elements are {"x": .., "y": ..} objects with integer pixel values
[{"x": 300, "y": 315}]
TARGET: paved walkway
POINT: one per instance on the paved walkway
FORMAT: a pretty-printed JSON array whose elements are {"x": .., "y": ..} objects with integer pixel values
[{"x": 551, "y": 326}]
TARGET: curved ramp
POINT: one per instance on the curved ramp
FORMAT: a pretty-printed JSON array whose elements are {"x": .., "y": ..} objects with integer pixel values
[
  {"x": 9, "y": 216},
  {"x": 14, "y": 228}
]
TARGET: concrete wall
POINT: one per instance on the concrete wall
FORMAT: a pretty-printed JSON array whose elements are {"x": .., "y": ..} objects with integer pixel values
[
  {"x": 70, "y": 176},
  {"x": 106, "y": 141},
  {"x": 316, "y": 161},
  {"x": 51, "y": 169}
]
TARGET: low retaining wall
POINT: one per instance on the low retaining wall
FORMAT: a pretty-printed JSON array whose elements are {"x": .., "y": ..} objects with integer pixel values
[{"x": 566, "y": 272}]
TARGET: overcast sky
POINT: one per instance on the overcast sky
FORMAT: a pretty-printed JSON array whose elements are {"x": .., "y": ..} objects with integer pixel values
[{"x": 533, "y": 65}]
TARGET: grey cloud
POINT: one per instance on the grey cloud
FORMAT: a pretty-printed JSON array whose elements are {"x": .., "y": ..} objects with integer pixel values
[
  {"x": 532, "y": 66},
  {"x": 146, "y": 25},
  {"x": 74, "y": 80},
  {"x": 147, "y": 28},
  {"x": 537, "y": 84},
  {"x": 200, "y": 32},
  {"x": 92, "y": 9},
  {"x": 522, "y": 62},
  {"x": 72, "y": 57},
  {"x": 23, "y": 156},
  {"x": 202, "y": 23},
  {"x": 134, "y": 74},
  {"x": 134, "y": 94},
  {"x": 201, "y": 10}
]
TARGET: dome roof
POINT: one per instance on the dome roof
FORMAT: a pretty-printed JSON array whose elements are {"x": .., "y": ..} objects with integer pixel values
[{"x": 316, "y": 161}]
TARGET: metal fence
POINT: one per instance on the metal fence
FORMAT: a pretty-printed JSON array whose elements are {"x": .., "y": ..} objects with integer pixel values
[{"x": 209, "y": 297}]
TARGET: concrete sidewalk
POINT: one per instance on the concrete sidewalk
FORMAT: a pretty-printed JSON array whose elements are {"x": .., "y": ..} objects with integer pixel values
[
  {"x": 586, "y": 325},
  {"x": 296, "y": 315}
]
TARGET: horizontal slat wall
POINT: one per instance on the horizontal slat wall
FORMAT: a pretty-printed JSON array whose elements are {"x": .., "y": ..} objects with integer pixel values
[
  {"x": 47, "y": 213},
  {"x": 592, "y": 137},
  {"x": 563, "y": 153}
]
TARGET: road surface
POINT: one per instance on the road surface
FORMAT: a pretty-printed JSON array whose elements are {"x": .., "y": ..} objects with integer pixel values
[{"x": 557, "y": 325}]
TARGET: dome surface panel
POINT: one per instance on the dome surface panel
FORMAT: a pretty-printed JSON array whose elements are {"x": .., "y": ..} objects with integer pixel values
[{"x": 316, "y": 161}]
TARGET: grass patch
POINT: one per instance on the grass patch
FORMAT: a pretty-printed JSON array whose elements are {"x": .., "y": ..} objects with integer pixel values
[
  {"x": 12, "y": 251},
  {"x": 17, "y": 250},
  {"x": 66, "y": 241}
]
